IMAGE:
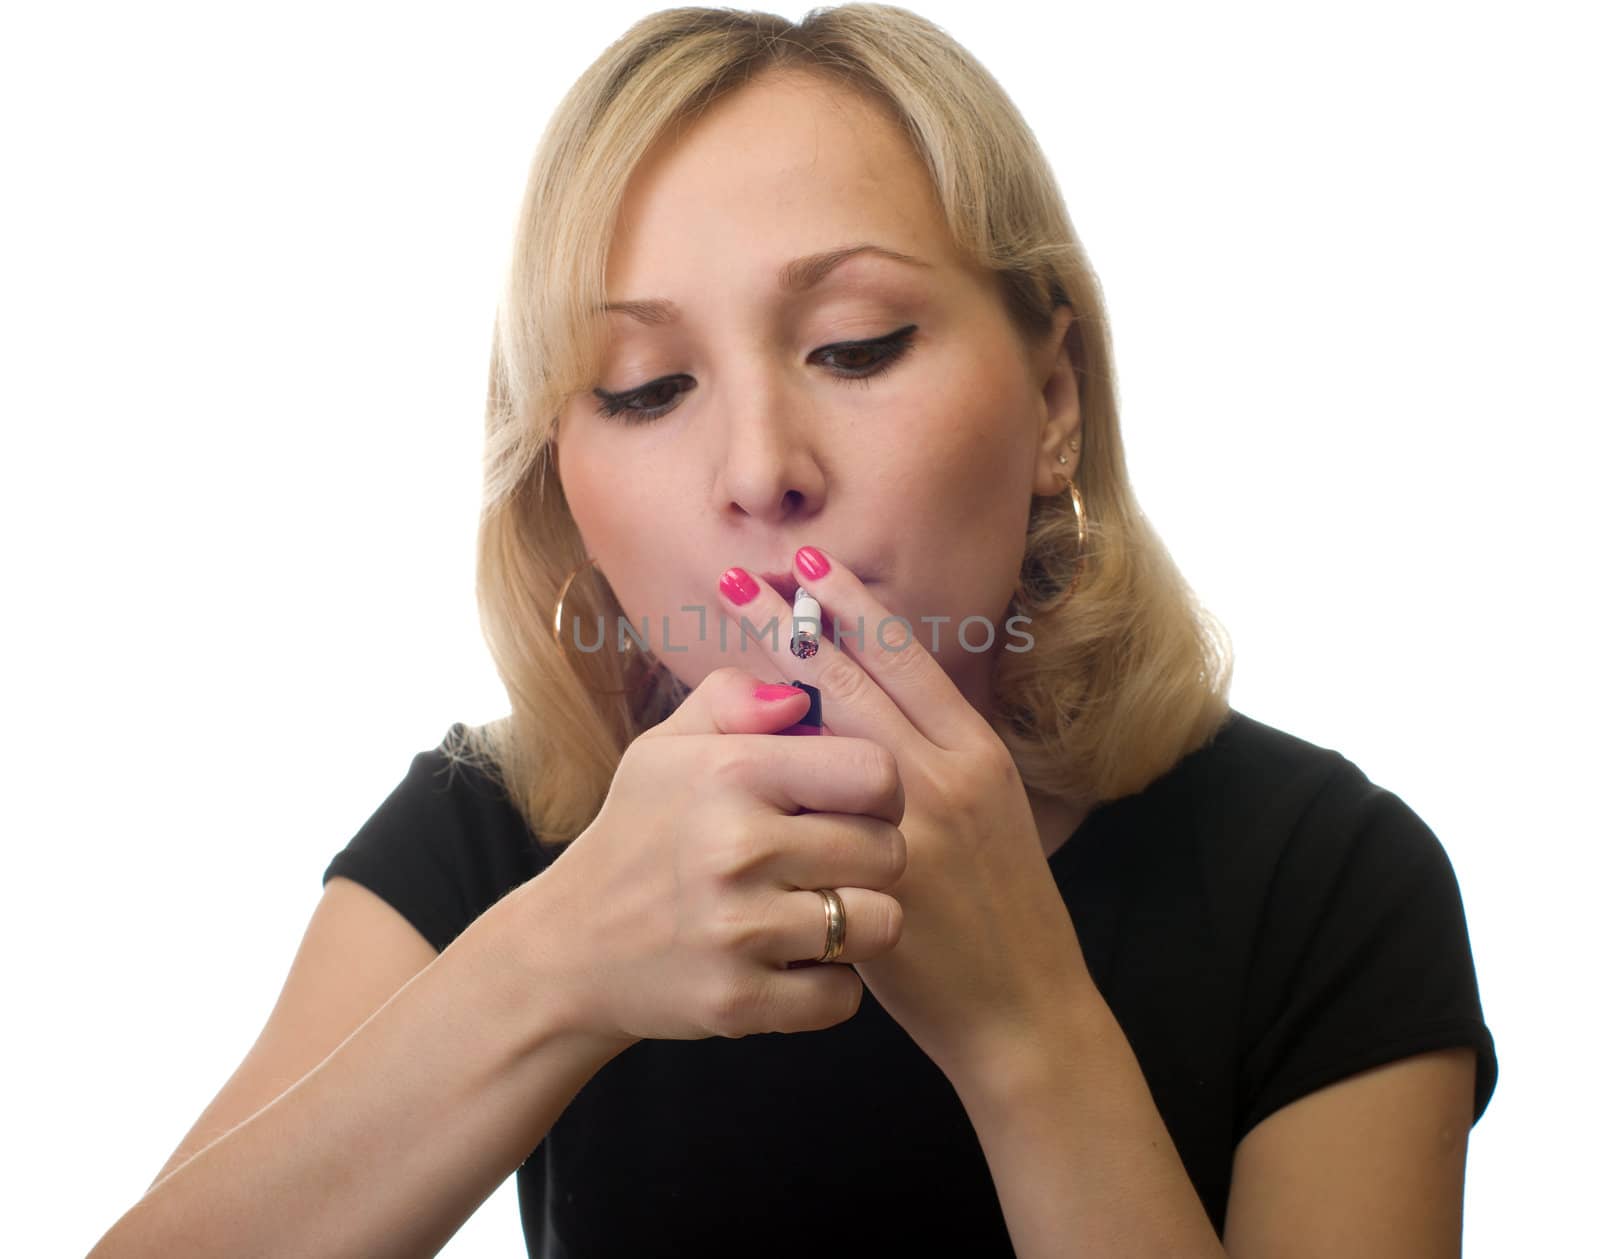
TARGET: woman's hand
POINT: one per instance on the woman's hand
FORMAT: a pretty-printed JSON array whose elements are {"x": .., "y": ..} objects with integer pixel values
[
  {"x": 676, "y": 910},
  {"x": 988, "y": 952}
]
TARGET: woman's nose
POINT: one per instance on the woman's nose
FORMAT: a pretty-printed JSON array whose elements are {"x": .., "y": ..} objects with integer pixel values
[{"x": 770, "y": 465}]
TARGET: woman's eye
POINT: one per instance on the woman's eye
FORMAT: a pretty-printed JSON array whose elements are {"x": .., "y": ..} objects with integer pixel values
[
  {"x": 851, "y": 360},
  {"x": 846, "y": 352}
]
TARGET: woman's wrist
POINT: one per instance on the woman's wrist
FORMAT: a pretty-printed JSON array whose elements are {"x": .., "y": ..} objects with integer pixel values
[{"x": 532, "y": 970}]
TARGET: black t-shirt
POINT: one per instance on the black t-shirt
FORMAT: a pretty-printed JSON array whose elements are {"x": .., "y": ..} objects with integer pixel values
[{"x": 1262, "y": 920}]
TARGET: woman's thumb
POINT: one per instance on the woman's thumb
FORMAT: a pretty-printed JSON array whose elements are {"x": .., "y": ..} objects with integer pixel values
[{"x": 731, "y": 700}]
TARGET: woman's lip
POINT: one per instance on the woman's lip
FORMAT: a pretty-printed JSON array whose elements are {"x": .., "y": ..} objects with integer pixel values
[{"x": 786, "y": 585}]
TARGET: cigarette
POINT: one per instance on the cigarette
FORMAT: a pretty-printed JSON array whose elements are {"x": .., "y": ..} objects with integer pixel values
[{"x": 803, "y": 641}]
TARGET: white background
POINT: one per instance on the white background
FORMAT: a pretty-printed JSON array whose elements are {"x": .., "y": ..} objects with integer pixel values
[{"x": 248, "y": 266}]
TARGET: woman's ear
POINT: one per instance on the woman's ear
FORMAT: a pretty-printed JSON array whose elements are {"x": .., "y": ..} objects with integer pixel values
[
  {"x": 1059, "y": 361},
  {"x": 1051, "y": 472},
  {"x": 1059, "y": 434}
]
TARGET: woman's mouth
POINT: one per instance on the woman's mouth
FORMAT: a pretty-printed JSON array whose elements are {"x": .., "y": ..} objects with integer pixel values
[{"x": 786, "y": 586}]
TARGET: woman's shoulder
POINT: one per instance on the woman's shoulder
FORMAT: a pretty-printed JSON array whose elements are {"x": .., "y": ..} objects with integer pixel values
[
  {"x": 1245, "y": 767},
  {"x": 1359, "y": 950},
  {"x": 1253, "y": 791},
  {"x": 445, "y": 843},
  {"x": 461, "y": 765},
  {"x": 1255, "y": 770},
  {"x": 1249, "y": 752},
  {"x": 1269, "y": 809}
]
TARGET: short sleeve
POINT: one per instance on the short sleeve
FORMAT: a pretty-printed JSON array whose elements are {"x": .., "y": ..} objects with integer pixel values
[
  {"x": 443, "y": 847},
  {"x": 1363, "y": 955}
]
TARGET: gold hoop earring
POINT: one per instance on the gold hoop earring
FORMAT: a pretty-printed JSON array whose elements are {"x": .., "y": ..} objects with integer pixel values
[
  {"x": 1081, "y": 514},
  {"x": 1083, "y": 537},
  {"x": 629, "y": 652}
]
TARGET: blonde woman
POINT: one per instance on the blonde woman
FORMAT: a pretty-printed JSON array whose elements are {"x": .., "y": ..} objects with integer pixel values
[{"x": 1043, "y": 949}]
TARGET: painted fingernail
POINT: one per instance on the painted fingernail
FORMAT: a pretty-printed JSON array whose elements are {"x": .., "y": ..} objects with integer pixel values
[
  {"x": 773, "y": 690},
  {"x": 739, "y": 586},
  {"x": 810, "y": 562}
]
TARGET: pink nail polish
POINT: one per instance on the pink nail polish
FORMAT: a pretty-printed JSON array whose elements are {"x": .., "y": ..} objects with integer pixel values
[
  {"x": 810, "y": 562},
  {"x": 774, "y": 690},
  {"x": 739, "y": 586}
]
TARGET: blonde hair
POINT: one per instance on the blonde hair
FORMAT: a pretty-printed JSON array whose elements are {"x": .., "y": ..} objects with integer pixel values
[{"x": 1124, "y": 678}]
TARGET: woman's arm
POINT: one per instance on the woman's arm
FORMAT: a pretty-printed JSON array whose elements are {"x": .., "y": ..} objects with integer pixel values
[{"x": 398, "y": 1136}]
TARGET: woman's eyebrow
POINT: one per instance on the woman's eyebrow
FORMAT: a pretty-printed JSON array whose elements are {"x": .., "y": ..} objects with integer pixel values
[{"x": 795, "y": 276}]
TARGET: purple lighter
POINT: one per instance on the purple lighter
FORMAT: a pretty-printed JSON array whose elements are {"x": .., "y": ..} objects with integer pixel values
[{"x": 811, "y": 723}]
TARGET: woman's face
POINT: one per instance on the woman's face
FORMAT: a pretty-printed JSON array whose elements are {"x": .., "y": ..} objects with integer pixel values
[{"x": 912, "y": 461}]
